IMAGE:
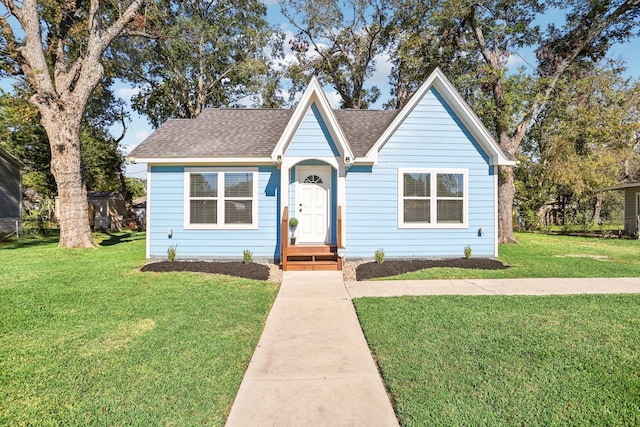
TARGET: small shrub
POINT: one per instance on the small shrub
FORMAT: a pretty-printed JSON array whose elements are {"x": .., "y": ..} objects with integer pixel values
[
  {"x": 467, "y": 252},
  {"x": 247, "y": 256},
  {"x": 171, "y": 252},
  {"x": 379, "y": 256},
  {"x": 293, "y": 222}
]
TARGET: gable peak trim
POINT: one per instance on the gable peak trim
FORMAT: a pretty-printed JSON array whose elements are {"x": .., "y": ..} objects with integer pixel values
[
  {"x": 313, "y": 94},
  {"x": 454, "y": 100}
]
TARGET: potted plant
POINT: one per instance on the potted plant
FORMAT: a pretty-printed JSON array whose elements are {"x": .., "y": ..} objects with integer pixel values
[{"x": 293, "y": 223}]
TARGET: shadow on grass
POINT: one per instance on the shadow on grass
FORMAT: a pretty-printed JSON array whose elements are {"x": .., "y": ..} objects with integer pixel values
[
  {"x": 123, "y": 237},
  {"x": 27, "y": 242}
]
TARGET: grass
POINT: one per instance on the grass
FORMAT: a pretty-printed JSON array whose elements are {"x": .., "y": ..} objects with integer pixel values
[
  {"x": 553, "y": 361},
  {"x": 540, "y": 255},
  {"x": 86, "y": 339}
]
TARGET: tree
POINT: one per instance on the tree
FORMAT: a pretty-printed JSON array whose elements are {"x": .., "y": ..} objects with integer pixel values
[
  {"x": 21, "y": 132},
  {"x": 203, "y": 54},
  {"x": 491, "y": 31},
  {"x": 338, "y": 42},
  {"x": 60, "y": 56},
  {"x": 585, "y": 138}
]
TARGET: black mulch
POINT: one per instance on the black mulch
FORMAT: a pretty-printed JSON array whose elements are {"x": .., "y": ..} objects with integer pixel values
[
  {"x": 237, "y": 268},
  {"x": 372, "y": 270}
]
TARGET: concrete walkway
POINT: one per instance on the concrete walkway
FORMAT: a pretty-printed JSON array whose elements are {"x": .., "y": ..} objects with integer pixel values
[
  {"x": 312, "y": 366},
  {"x": 389, "y": 288}
]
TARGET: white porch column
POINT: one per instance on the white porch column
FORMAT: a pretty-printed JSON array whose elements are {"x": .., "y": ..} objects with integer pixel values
[
  {"x": 342, "y": 199},
  {"x": 285, "y": 172}
]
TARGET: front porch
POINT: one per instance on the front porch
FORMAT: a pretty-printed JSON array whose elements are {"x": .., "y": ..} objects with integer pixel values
[{"x": 310, "y": 257}]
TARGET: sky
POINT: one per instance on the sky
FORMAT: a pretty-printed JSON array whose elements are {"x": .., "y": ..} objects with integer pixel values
[{"x": 139, "y": 128}]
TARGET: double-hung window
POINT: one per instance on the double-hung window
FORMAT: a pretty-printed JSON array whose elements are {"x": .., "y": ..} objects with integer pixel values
[
  {"x": 221, "y": 198},
  {"x": 432, "y": 198}
]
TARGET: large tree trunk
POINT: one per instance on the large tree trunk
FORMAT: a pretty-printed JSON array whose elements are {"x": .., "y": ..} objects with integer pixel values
[
  {"x": 66, "y": 166},
  {"x": 506, "y": 195}
]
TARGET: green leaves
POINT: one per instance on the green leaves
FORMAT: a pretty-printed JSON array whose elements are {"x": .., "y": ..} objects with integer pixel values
[{"x": 204, "y": 54}]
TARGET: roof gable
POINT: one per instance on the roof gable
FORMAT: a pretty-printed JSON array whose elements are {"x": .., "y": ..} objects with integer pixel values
[
  {"x": 463, "y": 111},
  {"x": 313, "y": 138},
  {"x": 313, "y": 95}
]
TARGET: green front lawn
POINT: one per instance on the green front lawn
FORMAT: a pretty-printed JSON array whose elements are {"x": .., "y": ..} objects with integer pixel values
[
  {"x": 541, "y": 255},
  {"x": 552, "y": 361},
  {"x": 86, "y": 339}
]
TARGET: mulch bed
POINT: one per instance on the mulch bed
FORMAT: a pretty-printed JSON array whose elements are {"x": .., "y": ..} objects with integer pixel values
[
  {"x": 236, "y": 268},
  {"x": 372, "y": 270}
]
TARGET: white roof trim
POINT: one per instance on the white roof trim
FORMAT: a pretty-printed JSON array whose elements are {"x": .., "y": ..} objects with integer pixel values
[
  {"x": 444, "y": 87},
  {"x": 313, "y": 94},
  {"x": 201, "y": 160}
]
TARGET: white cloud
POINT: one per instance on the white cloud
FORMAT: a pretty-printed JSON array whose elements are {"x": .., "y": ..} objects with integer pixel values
[
  {"x": 334, "y": 98},
  {"x": 142, "y": 135},
  {"x": 127, "y": 92},
  {"x": 515, "y": 61}
]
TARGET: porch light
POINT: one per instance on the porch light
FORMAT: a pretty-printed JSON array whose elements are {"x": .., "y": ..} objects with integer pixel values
[
  {"x": 342, "y": 251},
  {"x": 170, "y": 233},
  {"x": 480, "y": 232},
  {"x": 347, "y": 159},
  {"x": 279, "y": 158}
]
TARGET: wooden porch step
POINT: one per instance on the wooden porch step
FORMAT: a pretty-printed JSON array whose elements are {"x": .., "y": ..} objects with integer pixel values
[
  {"x": 312, "y": 266},
  {"x": 312, "y": 257},
  {"x": 311, "y": 249}
]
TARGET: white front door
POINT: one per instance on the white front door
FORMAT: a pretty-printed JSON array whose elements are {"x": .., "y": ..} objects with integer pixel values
[{"x": 312, "y": 203}]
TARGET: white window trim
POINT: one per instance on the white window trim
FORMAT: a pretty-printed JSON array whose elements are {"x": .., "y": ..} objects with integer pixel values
[
  {"x": 221, "y": 225},
  {"x": 433, "y": 198}
]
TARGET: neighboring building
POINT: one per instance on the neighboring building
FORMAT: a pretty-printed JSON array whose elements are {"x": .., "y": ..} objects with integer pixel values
[
  {"x": 631, "y": 205},
  {"x": 420, "y": 182},
  {"x": 140, "y": 209},
  {"x": 106, "y": 210},
  {"x": 10, "y": 192}
]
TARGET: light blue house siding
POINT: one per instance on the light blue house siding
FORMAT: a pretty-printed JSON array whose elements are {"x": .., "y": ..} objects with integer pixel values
[
  {"x": 431, "y": 136},
  {"x": 312, "y": 140},
  {"x": 167, "y": 213}
]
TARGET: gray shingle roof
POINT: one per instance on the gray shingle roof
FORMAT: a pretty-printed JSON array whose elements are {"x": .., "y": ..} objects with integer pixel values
[
  {"x": 362, "y": 128},
  {"x": 217, "y": 133},
  {"x": 250, "y": 133}
]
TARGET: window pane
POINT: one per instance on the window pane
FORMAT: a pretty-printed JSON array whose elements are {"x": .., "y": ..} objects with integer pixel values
[
  {"x": 417, "y": 211},
  {"x": 450, "y": 185},
  {"x": 238, "y": 185},
  {"x": 204, "y": 212},
  {"x": 204, "y": 185},
  {"x": 238, "y": 211},
  {"x": 417, "y": 185},
  {"x": 450, "y": 211}
]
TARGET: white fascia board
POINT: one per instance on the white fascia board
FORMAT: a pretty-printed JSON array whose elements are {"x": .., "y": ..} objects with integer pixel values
[
  {"x": 439, "y": 81},
  {"x": 201, "y": 160},
  {"x": 312, "y": 94}
]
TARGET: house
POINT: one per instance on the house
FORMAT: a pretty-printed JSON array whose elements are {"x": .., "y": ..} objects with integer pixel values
[
  {"x": 631, "y": 205},
  {"x": 106, "y": 210},
  {"x": 420, "y": 182},
  {"x": 10, "y": 192}
]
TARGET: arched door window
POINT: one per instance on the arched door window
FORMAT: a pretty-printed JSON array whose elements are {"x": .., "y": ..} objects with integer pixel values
[{"x": 313, "y": 179}]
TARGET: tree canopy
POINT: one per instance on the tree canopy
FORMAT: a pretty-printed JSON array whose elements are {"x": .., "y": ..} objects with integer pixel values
[{"x": 196, "y": 54}]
